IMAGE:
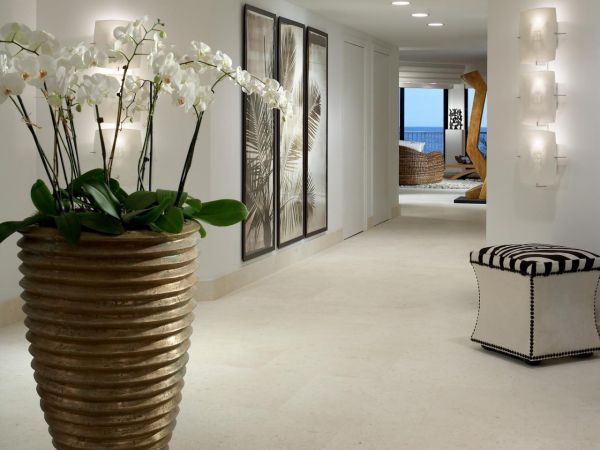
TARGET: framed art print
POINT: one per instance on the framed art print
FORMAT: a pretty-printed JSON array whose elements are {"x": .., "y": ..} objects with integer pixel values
[
  {"x": 291, "y": 141},
  {"x": 316, "y": 132},
  {"x": 258, "y": 135}
]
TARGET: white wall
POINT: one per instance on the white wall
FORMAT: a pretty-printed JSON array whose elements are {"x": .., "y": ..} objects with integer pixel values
[
  {"x": 569, "y": 213},
  {"x": 17, "y": 166},
  {"x": 216, "y": 172}
]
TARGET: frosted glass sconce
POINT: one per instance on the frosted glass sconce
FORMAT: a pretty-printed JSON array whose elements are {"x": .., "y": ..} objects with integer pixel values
[
  {"x": 538, "y": 36},
  {"x": 537, "y": 91},
  {"x": 538, "y": 158},
  {"x": 130, "y": 139},
  {"x": 103, "y": 32},
  {"x": 129, "y": 145}
]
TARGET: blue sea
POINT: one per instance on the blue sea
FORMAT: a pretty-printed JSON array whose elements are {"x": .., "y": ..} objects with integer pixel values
[{"x": 434, "y": 138}]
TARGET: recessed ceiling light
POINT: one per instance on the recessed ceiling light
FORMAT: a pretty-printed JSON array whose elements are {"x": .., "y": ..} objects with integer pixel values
[
  {"x": 400, "y": 3},
  {"x": 435, "y": 24},
  {"x": 420, "y": 14}
]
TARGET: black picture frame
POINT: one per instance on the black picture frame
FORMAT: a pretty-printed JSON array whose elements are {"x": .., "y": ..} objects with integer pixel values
[
  {"x": 307, "y": 80},
  {"x": 281, "y": 23},
  {"x": 248, "y": 254}
]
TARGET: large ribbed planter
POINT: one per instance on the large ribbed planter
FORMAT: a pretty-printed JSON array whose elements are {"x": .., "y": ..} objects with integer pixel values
[{"x": 109, "y": 326}]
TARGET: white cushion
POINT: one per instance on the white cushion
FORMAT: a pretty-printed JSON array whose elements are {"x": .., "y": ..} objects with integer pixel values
[{"x": 415, "y": 145}]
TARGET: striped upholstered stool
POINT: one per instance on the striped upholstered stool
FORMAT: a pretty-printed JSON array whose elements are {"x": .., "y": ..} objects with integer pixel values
[{"x": 537, "y": 301}]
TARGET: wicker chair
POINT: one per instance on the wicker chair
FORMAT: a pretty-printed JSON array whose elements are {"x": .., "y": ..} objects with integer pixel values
[{"x": 420, "y": 168}]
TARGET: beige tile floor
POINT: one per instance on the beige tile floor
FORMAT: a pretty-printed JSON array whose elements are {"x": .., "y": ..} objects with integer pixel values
[{"x": 364, "y": 346}]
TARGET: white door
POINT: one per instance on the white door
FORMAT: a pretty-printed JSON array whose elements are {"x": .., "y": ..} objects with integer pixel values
[
  {"x": 353, "y": 152},
  {"x": 381, "y": 141}
]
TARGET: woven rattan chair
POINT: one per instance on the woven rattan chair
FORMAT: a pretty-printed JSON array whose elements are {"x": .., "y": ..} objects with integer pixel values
[{"x": 420, "y": 168}]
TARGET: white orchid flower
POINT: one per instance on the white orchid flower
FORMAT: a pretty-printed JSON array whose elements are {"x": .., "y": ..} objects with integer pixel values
[
  {"x": 17, "y": 32},
  {"x": 245, "y": 80},
  {"x": 204, "y": 97},
  {"x": 165, "y": 65},
  {"x": 5, "y": 62},
  {"x": 57, "y": 85},
  {"x": 94, "y": 57},
  {"x": 46, "y": 66},
  {"x": 223, "y": 61},
  {"x": 27, "y": 65},
  {"x": 43, "y": 43},
  {"x": 96, "y": 88},
  {"x": 202, "y": 51},
  {"x": 185, "y": 95},
  {"x": 10, "y": 84}
]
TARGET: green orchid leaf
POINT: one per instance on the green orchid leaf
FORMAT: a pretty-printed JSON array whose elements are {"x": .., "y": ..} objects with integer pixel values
[
  {"x": 128, "y": 217},
  {"x": 183, "y": 199},
  {"x": 8, "y": 228},
  {"x": 69, "y": 227},
  {"x": 43, "y": 199},
  {"x": 101, "y": 223},
  {"x": 189, "y": 212},
  {"x": 222, "y": 213},
  {"x": 153, "y": 214},
  {"x": 94, "y": 175},
  {"x": 201, "y": 229},
  {"x": 163, "y": 194},
  {"x": 103, "y": 197},
  {"x": 171, "y": 221},
  {"x": 194, "y": 203},
  {"x": 117, "y": 190},
  {"x": 140, "y": 200}
]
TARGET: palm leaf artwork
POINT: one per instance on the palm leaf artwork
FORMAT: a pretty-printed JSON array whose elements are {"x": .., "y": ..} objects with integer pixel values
[
  {"x": 288, "y": 59},
  {"x": 259, "y": 172},
  {"x": 291, "y": 180},
  {"x": 259, "y": 140},
  {"x": 316, "y": 133},
  {"x": 314, "y": 114},
  {"x": 313, "y": 124}
]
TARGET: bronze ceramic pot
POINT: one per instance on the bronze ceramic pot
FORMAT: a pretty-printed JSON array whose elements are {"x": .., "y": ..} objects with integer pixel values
[{"x": 109, "y": 326}]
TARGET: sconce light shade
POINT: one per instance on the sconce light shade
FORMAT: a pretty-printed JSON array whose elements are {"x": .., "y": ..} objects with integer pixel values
[
  {"x": 538, "y": 38},
  {"x": 129, "y": 145},
  {"x": 103, "y": 32},
  {"x": 537, "y": 158},
  {"x": 537, "y": 91}
]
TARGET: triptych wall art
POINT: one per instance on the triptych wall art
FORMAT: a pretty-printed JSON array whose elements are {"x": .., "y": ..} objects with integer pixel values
[{"x": 284, "y": 173}]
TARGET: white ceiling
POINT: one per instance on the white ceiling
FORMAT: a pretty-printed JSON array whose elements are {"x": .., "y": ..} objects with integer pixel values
[{"x": 461, "y": 40}]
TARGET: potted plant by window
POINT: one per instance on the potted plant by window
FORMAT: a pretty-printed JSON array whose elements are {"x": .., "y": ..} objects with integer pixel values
[{"x": 108, "y": 275}]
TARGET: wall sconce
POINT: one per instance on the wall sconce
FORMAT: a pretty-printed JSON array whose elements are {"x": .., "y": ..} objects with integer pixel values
[
  {"x": 105, "y": 39},
  {"x": 129, "y": 144},
  {"x": 537, "y": 91},
  {"x": 538, "y": 36},
  {"x": 538, "y": 158}
]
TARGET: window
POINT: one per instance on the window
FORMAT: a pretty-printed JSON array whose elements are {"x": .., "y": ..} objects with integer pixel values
[
  {"x": 423, "y": 117},
  {"x": 483, "y": 132}
]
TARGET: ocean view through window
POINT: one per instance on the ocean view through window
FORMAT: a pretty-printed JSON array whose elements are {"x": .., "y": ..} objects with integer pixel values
[{"x": 424, "y": 117}]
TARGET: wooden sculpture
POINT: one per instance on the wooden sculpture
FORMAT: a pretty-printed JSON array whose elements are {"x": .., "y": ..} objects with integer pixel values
[{"x": 476, "y": 81}]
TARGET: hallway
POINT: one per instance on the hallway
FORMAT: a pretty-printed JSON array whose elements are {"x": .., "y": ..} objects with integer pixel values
[{"x": 364, "y": 346}]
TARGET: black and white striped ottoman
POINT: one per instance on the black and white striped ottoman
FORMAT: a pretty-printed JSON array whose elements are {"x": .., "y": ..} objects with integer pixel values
[{"x": 537, "y": 301}]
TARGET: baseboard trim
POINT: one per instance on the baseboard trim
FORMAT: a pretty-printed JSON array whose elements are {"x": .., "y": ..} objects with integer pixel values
[
  {"x": 11, "y": 312},
  {"x": 264, "y": 266}
]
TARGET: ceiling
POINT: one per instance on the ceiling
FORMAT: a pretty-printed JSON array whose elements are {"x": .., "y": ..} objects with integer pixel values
[{"x": 462, "y": 39}]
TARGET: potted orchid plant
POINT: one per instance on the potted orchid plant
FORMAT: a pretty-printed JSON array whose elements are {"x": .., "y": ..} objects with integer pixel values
[{"x": 108, "y": 274}]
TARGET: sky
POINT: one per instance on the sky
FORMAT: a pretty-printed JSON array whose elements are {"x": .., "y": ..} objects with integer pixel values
[{"x": 425, "y": 108}]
